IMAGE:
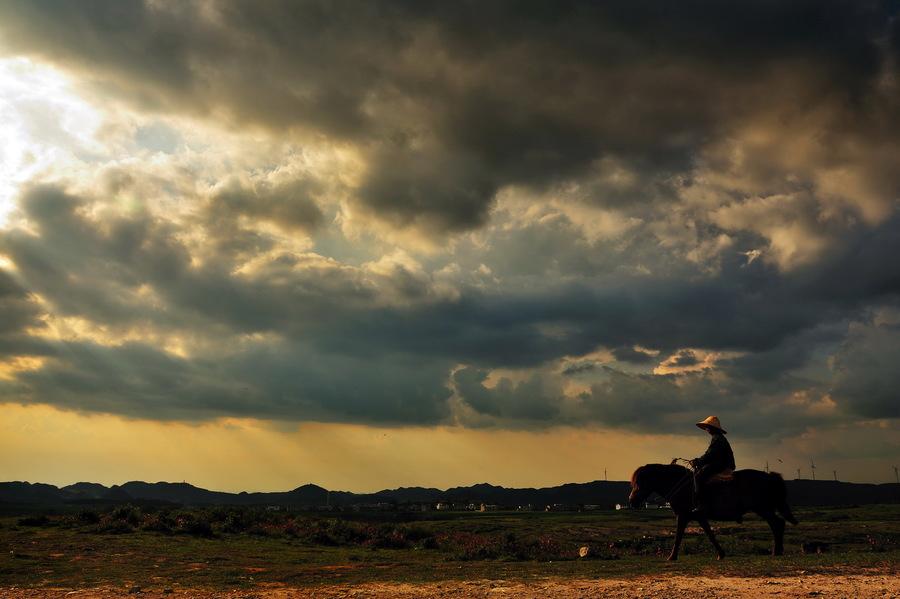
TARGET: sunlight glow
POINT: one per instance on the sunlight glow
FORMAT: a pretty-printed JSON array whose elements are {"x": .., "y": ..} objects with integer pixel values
[{"x": 44, "y": 125}]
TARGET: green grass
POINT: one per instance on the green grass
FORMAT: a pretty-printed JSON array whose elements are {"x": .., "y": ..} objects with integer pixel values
[{"x": 223, "y": 548}]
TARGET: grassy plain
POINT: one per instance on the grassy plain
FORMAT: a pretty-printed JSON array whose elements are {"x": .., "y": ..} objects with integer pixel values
[{"x": 226, "y": 548}]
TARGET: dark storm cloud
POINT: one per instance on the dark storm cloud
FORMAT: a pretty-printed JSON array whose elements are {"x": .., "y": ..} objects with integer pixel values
[
  {"x": 414, "y": 187},
  {"x": 684, "y": 357},
  {"x": 644, "y": 402},
  {"x": 669, "y": 403},
  {"x": 451, "y": 102},
  {"x": 339, "y": 353},
  {"x": 97, "y": 269},
  {"x": 278, "y": 381},
  {"x": 631, "y": 355},
  {"x": 580, "y": 368},
  {"x": 289, "y": 205},
  {"x": 651, "y": 402},
  {"x": 18, "y": 311},
  {"x": 524, "y": 400},
  {"x": 768, "y": 368},
  {"x": 866, "y": 379},
  {"x": 83, "y": 268}
]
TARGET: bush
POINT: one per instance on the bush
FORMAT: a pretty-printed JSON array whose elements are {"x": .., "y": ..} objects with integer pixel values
[
  {"x": 127, "y": 513},
  {"x": 388, "y": 537},
  {"x": 200, "y": 527},
  {"x": 41, "y": 520},
  {"x": 88, "y": 517},
  {"x": 193, "y": 523},
  {"x": 160, "y": 522}
]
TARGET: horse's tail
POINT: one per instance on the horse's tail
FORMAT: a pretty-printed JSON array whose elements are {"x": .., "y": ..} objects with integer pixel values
[{"x": 780, "y": 496}]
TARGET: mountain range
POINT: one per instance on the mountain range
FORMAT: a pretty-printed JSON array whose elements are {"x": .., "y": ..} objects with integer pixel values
[{"x": 603, "y": 494}]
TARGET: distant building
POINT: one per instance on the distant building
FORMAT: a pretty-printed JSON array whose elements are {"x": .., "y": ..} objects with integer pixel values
[
  {"x": 623, "y": 506},
  {"x": 374, "y": 507},
  {"x": 273, "y": 508},
  {"x": 488, "y": 507},
  {"x": 443, "y": 506},
  {"x": 560, "y": 507}
]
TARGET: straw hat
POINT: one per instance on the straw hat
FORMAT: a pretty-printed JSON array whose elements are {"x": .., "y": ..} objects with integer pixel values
[{"x": 711, "y": 422}]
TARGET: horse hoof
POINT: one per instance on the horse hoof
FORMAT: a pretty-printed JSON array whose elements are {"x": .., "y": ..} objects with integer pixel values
[{"x": 720, "y": 556}]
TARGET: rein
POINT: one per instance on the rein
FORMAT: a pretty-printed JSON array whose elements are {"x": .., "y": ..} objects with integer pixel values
[{"x": 680, "y": 484}]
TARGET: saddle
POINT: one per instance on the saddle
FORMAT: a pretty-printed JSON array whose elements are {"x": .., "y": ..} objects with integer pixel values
[
  {"x": 718, "y": 488},
  {"x": 726, "y": 476}
]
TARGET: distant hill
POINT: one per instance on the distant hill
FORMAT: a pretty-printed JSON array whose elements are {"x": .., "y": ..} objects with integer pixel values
[
  {"x": 604, "y": 494},
  {"x": 86, "y": 490},
  {"x": 831, "y": 492}
]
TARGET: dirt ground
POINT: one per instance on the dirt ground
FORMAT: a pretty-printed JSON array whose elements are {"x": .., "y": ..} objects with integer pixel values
[{"x": 667, "y": 586}]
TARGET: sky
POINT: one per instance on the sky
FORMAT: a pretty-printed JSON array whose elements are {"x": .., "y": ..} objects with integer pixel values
[{"x": 373, "y": 244}]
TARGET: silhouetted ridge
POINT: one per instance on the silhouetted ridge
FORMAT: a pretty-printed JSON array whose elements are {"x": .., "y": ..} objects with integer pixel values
[
  {"x": 86, "y": 490},
  {"x": 602, "y": 494}
]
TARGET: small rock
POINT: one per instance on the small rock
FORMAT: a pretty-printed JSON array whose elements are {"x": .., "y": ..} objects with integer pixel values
[
  {"x": 135, "y": 590},
  {"x": 584, "y": 551}
]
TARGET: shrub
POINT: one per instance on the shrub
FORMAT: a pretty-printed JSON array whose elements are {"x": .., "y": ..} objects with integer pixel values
[
  {"x": 193, "y": 523},
  {"x": 88, "y": 517},
  {"x": 41, "y": 520},
  {"x": 388, "y": 537},
  {"x": 159, "y": 522},
  {"x": 127, "y": 513}
]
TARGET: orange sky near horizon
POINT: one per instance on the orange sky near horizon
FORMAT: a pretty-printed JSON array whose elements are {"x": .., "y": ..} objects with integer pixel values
[{"x": 253, "y": 455}]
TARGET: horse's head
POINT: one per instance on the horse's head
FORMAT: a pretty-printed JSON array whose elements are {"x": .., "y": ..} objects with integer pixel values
[
  {"x": 640, "y": 487},
  {"x": 655, "y": 478}
]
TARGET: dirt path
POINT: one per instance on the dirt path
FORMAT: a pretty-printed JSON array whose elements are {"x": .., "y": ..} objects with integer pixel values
[{"x": 668, "y": 586}]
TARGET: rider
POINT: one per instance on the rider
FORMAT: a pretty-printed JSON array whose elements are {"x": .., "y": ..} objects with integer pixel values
[{"x": 717, "y": 459}]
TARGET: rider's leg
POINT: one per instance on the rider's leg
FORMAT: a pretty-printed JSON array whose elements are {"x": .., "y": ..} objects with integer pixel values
[{"x": 700, "y": 477}]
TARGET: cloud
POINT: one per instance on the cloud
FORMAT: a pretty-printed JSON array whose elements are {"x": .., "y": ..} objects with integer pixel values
[
  {"x": 395, "y": 325},
  {"x": 577, "y": 368},
  {"x": 289, "y": 206},
  {"x": 865, "y": 381},
  {"x": 447, "y": 105},
  {"x": 507, "y": 399},
  {"x": 278, "y": 381},
  {"x": 18, "y": 312},
  {"x": 618, "y": 214},
  {"x": 633, "y": 355}
]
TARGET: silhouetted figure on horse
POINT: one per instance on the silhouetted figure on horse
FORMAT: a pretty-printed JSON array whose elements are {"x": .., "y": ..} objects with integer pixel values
[{"x": 713, "y": 490}]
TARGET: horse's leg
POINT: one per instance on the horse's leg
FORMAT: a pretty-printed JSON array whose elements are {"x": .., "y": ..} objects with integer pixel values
[
  {"x": 777, "y": 526},
  {"x": 681, "y": 522},
  {"x": 712, "y": 538}
]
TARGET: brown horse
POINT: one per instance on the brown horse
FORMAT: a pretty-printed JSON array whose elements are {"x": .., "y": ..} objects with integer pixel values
[{"x": 751, "y": 491}]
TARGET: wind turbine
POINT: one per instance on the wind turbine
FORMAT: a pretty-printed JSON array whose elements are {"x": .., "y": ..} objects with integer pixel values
[{"x": 812, "y": 468}]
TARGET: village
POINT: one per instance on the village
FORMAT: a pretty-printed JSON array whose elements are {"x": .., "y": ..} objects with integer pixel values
[{"x": 444, "y": 506}]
